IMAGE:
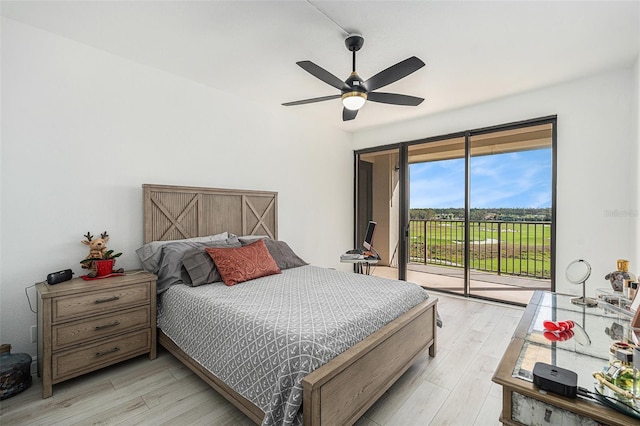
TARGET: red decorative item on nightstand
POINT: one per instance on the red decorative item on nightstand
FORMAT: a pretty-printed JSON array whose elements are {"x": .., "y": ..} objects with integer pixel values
[
  {"x": 104, "y": 267},
  {"x": 558, "y": 331},
  {"x": 558, "y": 325}
]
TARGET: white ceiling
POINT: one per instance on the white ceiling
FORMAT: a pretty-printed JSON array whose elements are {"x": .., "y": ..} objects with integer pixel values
[{"x": 475, "y": 51}]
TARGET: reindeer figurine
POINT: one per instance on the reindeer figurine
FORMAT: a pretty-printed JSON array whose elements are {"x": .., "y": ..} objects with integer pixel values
[
  {"x": 97, "y": 251},
  {"x": 97, "y": 247}
]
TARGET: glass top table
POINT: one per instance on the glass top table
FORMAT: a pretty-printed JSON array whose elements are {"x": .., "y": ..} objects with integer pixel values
[{"x": 586, "y": 352}]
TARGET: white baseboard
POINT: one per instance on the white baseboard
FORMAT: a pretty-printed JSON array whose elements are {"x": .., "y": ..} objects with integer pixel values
[{"x": 34, "y": 365}]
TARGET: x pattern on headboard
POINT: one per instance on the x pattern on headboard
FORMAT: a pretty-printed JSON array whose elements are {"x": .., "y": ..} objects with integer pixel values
[{"x": 177, "y": 212}]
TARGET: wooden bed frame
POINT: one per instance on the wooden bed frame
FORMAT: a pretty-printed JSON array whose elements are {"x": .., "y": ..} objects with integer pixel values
[{"x": 337, "y": 393}]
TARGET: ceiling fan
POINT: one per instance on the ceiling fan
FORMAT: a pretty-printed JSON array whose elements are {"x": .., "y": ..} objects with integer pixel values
[{"x": 355, "y": 91}]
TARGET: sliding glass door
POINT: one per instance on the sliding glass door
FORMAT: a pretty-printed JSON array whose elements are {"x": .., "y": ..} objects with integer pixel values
[
  {"x": 510, "y": 197},
  {"x": 436, "y": 227},
  {"x": 470, "y": 213}
]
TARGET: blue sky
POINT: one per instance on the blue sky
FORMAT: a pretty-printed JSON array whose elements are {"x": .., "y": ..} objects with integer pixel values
[{"x": 518, "y": 179}]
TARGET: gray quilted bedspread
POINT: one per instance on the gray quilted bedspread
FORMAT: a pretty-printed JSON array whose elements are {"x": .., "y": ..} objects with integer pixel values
[{"x": 261, "y": 337}]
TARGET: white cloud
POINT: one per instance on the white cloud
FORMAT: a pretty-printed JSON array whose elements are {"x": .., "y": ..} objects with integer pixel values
[{"x": 520, "y": 179}]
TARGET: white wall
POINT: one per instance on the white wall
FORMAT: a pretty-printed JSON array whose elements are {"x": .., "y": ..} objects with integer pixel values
[
  {"x": 84, "y": 129},
  {"x": 597, "y": 157},
  {"x": 635, "y": 215}
]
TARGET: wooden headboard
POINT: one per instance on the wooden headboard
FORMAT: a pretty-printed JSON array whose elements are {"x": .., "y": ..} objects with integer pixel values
[{"x": 178, "y": 212}]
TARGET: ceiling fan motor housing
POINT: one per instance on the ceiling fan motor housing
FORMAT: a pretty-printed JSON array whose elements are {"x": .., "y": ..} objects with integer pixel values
[
  {"x": 354, "y": 42},
  {"x": 356, "y": 84}
]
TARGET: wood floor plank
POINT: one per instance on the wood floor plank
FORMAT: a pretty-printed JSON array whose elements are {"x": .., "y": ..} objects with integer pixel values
[
  {"x": 160, "y": 379},
  {"x": 487, "y": 319},
  {"x": 138, "y": 372},
  {"x": 228, "y": 418},
  {"x": 180, "y": 389},
  {"x": 456, "y": 363},
  {"x": 180, "y": 371},
  {"x": 421, "y": 406},
  {"x": 500, "y": 336},
  {"x": 57, "y": 408},
  {"x": 200, "y": 404},
  {"x": 115, "y": 414},
  {"x": 393, "y": 399},
  {"x": 365, "y": 421},
  {"x": 489, "y": 413},
  {"x": 465, "y": 402},
  {"x": 109, "y": 402}
]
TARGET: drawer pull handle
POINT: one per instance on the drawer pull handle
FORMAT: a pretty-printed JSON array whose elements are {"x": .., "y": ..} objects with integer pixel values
[
  {"x": 110, "y": 351},
  {"x": 101, "y": 327},
  {"x": 110, "y": 299}
]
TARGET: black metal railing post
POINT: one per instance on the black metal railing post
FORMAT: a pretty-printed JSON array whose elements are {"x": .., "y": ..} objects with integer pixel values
[
  {"x": 425, "y": 241},
  {"x": 499, "y": 248}
]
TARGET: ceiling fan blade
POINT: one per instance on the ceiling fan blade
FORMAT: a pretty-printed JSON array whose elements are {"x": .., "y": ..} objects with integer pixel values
[
  {"x": 393, "y": 73},
  {"x": 349, "y": 114},
  {"x": 394, "y": 98},
  {"x": 312, "y": 100},
  {"x": 323, "y": 75}
]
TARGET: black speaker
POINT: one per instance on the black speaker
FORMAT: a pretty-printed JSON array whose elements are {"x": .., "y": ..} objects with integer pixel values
[
  {"x": 555, "y": 379},
  {"x": 60, "y": 276}
]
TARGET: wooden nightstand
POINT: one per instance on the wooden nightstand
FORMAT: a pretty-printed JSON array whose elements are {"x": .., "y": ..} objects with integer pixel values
[
  {"x": 87, "y": 325},
  {"x": 523, "y": 403}
]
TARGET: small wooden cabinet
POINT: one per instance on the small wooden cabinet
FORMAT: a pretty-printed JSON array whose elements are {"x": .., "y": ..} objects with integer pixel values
[{"x": 87, "y": 325}]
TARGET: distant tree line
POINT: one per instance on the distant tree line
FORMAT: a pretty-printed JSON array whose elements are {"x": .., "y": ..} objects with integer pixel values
[{"x": 503, "y": 213}]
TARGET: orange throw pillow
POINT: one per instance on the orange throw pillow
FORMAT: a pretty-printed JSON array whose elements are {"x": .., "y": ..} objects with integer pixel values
[{"x": 245, "y": 263}]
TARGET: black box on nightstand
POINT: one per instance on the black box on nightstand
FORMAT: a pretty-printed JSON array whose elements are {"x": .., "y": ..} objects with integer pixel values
[{"x": 555, "y": 379}]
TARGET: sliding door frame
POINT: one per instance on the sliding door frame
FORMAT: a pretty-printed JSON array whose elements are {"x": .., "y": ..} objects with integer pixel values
[
  {"x": 403, "y": 219},
  {"x": 404, "y": 207},
  {"x": 553, "y": 120}
]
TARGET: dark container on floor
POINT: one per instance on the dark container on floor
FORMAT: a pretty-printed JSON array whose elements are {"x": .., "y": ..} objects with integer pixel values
[{"x": 15, "y": 372}]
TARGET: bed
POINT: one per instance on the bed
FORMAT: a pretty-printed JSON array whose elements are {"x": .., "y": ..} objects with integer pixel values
[{"x": 334, "y": 393}]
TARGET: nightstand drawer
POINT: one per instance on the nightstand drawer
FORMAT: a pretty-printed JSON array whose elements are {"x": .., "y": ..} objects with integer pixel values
[
  {"x": 98, "y": 327},
  {"x": 99, "y": 301},
  {"x": 78, "y": 361}
]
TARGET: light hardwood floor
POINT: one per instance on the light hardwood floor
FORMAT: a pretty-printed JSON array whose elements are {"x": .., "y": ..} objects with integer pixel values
[{"x": 454, "y": 388}]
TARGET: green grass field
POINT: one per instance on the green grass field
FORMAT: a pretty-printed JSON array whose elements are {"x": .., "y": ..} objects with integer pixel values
[{"x": 516, "y": 248}]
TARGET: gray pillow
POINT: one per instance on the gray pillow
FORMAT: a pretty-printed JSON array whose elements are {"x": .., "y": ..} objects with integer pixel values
[
  {"x": 248, "y": 239},
  {"x": 198, "y": 267},
  {"x": 169, "y": 272},
  {"x": 150, "y": 254},
  {"x": 283, "y": 255},
  {"x": 280, "y": 251}
]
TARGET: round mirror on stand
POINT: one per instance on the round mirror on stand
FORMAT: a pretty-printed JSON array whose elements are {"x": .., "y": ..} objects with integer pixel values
[{"x": 578, "y": 272}]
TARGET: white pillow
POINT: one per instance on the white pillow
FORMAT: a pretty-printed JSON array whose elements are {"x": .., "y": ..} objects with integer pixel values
[{"x": 151, "y": 253}]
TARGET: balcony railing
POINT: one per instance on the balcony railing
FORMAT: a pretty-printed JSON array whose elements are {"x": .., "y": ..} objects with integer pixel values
[{"x": 505, "y": 248}]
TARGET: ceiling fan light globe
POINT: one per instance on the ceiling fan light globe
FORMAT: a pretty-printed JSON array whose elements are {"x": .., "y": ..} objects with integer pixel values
[{"x": 354, "y": 100}]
